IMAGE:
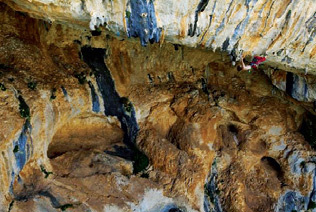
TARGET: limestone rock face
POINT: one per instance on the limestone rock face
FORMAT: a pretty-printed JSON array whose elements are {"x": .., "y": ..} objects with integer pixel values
[
  {"x": 300, "y": 87},
  {"x": 282, "y": 30},
  {"x": 94, "y": 122}
]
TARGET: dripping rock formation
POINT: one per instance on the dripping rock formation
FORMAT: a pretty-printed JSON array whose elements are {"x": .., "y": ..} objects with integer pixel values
[{"x": 122, "y": 106}]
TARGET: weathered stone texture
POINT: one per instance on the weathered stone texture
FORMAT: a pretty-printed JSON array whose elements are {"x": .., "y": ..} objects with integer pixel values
[{"x": 216, "y": 139}]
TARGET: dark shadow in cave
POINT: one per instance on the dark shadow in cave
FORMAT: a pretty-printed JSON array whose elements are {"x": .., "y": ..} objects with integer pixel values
[
  {"x": 274, "y": 165},
  {"x": 289, "y": 83},
  {"x": 308, "y": 129},
  {"x": 121, "y": 151},
  {"x": 233, "y": 129}
]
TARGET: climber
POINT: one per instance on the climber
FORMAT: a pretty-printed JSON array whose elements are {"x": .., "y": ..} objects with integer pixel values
[{"x": 253, "y": 65}]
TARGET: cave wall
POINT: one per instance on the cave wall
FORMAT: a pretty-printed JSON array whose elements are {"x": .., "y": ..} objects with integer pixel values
[{"x": 74, "y": 105}]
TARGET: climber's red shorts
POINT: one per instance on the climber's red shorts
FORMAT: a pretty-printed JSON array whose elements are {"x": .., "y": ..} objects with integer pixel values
[{"x": 256, "y": 61}]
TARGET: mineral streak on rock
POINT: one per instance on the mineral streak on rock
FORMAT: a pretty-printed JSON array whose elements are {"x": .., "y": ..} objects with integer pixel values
[
  {"x": 200, "y": 8},
  {"x": 95, "y": 98},
  {"x": 21, "y": 150},
  {"x": 211, "y": 193},
  {"x": 141, "y": 21},
  {"x": 112, "y": 105}
]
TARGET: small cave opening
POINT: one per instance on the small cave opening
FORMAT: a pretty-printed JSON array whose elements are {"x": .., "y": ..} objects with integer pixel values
[
  {"x": 233, "y": 129},
  {"x": 85, "y": 132},
  {"x": 272, "y": 164},
  {"x": 96, "y": 32},
  {"x": 81, "y": 147},
  {"x": 308, "y": 129}
]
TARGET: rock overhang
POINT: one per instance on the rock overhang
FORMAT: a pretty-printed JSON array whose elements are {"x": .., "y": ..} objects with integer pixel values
[{"x": 284, "y": 31}]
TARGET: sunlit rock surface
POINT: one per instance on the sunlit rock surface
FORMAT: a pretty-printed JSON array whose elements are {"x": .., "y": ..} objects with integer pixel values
[
  {"x": 283, "y": 30},
  {"x": 94, "y": 122}
]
